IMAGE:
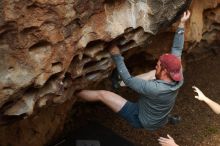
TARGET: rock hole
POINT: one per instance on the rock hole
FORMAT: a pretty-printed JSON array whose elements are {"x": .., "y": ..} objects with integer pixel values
[
  {"x": 67, "y": 81},
  {"x": 78, "y": 78},
  {"x": 93, "y": 72},
  {"x": 216, "y": 24},
  {"x": 8, "y": 90},
  {"x": 7, "y": 105},
  {"x": 39, "y": 45},
  {"x": 69, "y": 28},
  {"x": 11, "y": 68},
  {"x": 56, "y": 64},
  {"x": 102, "y": 55},
  {"x": 40, "y": 51},
  {"x": 5, "y": 88},
  {"x": 129, "y": 29},
  {"x": 33, "y": 6},
  {"x": 75, "y": 59},
  {"x": 57, "y": 67},
  {"x": 121, "y": 40},
  {"x": 95, "y": 75},
  {"x": 93, "y": 48},
  {"x": 53, "y": 77},
  {"x": 109, "y": 1},
  {"x": 29, "y": 29},
  {"x": 8, "y": 27},
  {"x": 94, "y": 43},
  {"x": 90, "y": 64},
  {"x": 212, "y": 14},
  {"x": 129, "y": 45},
  {"x": 74, "y": 63}
]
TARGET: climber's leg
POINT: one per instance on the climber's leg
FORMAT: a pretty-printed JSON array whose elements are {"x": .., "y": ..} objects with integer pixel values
[{"x": 112, "y": 100}]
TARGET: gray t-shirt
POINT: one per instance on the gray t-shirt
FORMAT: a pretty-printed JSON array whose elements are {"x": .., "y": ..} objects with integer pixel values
[{"x": 157, "y": 97}]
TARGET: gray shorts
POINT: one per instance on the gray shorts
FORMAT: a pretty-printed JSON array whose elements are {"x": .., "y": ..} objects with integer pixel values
[{"x": 130, "y": 113}]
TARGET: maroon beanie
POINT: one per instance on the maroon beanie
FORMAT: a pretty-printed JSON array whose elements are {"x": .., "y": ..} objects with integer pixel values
[{"x": 173, "y": 65}]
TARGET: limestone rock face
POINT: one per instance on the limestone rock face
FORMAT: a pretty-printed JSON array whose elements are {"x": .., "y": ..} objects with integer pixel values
[
  {"x": 51, "y": 48},
  {"x": 203, "y": 31}
]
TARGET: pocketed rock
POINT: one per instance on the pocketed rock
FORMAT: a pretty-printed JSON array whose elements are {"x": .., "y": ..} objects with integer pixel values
[{"x": 51, "y": 48}]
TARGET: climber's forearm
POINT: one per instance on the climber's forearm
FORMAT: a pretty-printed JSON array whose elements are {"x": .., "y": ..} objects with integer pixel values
[{"x": 181, "y": 25}]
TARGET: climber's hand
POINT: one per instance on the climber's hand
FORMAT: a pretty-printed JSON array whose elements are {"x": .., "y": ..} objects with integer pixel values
[
  {"x": 185, "y": 16},
  {"x": 113, "y": 49}
]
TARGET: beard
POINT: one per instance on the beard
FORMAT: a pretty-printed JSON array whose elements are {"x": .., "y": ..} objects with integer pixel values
[{"x": 158, "y": 74}]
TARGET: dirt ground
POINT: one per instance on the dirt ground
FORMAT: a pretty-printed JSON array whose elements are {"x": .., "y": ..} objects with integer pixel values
[{"x": 199, "y": 126}]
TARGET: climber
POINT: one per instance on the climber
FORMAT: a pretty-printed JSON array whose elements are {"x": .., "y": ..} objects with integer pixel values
[{"x": 157, "y": 97}]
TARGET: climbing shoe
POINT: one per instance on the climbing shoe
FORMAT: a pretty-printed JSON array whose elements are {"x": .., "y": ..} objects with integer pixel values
[{"x": 174, "y": 119}]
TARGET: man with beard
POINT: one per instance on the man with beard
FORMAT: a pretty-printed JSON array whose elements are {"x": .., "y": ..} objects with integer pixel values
[{"x": 157, "y": 96}]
